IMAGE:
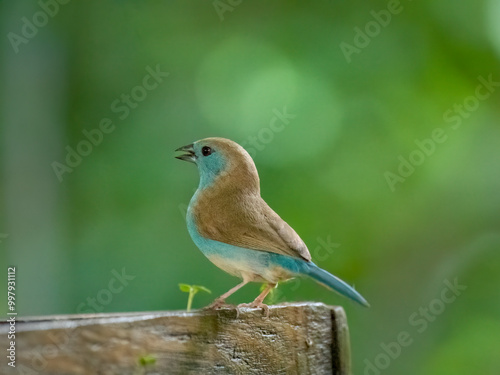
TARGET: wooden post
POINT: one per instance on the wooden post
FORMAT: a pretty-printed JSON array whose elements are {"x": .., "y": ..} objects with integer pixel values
[{"x": 298, "y": 338}]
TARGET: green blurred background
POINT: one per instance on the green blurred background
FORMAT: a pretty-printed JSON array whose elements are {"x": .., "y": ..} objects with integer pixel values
[{"x": 324, "y": 169}]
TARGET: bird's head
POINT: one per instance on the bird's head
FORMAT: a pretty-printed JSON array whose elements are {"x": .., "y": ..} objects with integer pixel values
[{"x": 221, "y": 161}]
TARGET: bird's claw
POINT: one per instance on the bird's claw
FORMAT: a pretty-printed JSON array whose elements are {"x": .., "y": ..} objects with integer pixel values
[
  {"x": 254, "y": 305},
  {"x": 217, "y": 304}
]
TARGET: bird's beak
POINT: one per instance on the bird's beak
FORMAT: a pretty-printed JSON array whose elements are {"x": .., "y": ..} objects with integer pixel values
[{"x": 189, "y": 153}]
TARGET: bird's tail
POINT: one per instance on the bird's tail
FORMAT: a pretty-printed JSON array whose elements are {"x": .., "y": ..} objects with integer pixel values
[{"x": 333, "y": 282}]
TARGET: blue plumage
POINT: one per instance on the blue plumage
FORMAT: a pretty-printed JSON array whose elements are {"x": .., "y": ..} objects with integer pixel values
[{"x": 333, "y": 282}]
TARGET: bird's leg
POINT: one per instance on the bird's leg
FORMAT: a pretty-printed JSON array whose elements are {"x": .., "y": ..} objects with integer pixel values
[
  {"x": 258, "y": 302},
  {"x": 221, "y": 301}
]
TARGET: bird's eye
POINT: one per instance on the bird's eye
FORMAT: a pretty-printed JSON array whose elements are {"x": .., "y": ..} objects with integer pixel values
[{"x": 206, "y": 151}]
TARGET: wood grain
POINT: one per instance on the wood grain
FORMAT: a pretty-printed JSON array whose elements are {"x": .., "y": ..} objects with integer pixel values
[{"x": 300, "y": 338}]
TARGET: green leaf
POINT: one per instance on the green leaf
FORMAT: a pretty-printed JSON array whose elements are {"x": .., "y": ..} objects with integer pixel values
[
  {"x": 202, "y": 288},
  {"x": 185, "y": 288},
  {"x": 147, "y": 360}
]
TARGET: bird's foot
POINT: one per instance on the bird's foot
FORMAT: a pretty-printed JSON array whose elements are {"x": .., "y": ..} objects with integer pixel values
[
  {"x": 255, "y": 305},
  {"x": 217, "y": 304}
]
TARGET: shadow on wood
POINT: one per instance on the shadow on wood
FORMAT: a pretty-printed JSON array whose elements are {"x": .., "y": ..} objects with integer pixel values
[{"x": 300, "y": 338}]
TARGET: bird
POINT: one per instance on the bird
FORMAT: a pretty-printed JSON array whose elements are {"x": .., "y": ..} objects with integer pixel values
[{"x": 236, "y": 230}]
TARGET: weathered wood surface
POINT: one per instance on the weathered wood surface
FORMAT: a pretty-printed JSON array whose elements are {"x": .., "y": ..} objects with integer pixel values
[{"x": 301, "y": 338}]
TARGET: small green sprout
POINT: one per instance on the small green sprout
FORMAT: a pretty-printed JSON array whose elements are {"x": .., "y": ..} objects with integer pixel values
[
  {"x": 192, "y": 290},
  {"x": 147, "y": 360}
]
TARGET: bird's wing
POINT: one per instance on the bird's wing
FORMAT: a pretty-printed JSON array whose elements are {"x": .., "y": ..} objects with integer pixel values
[{"x": 252, "y": 224}]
